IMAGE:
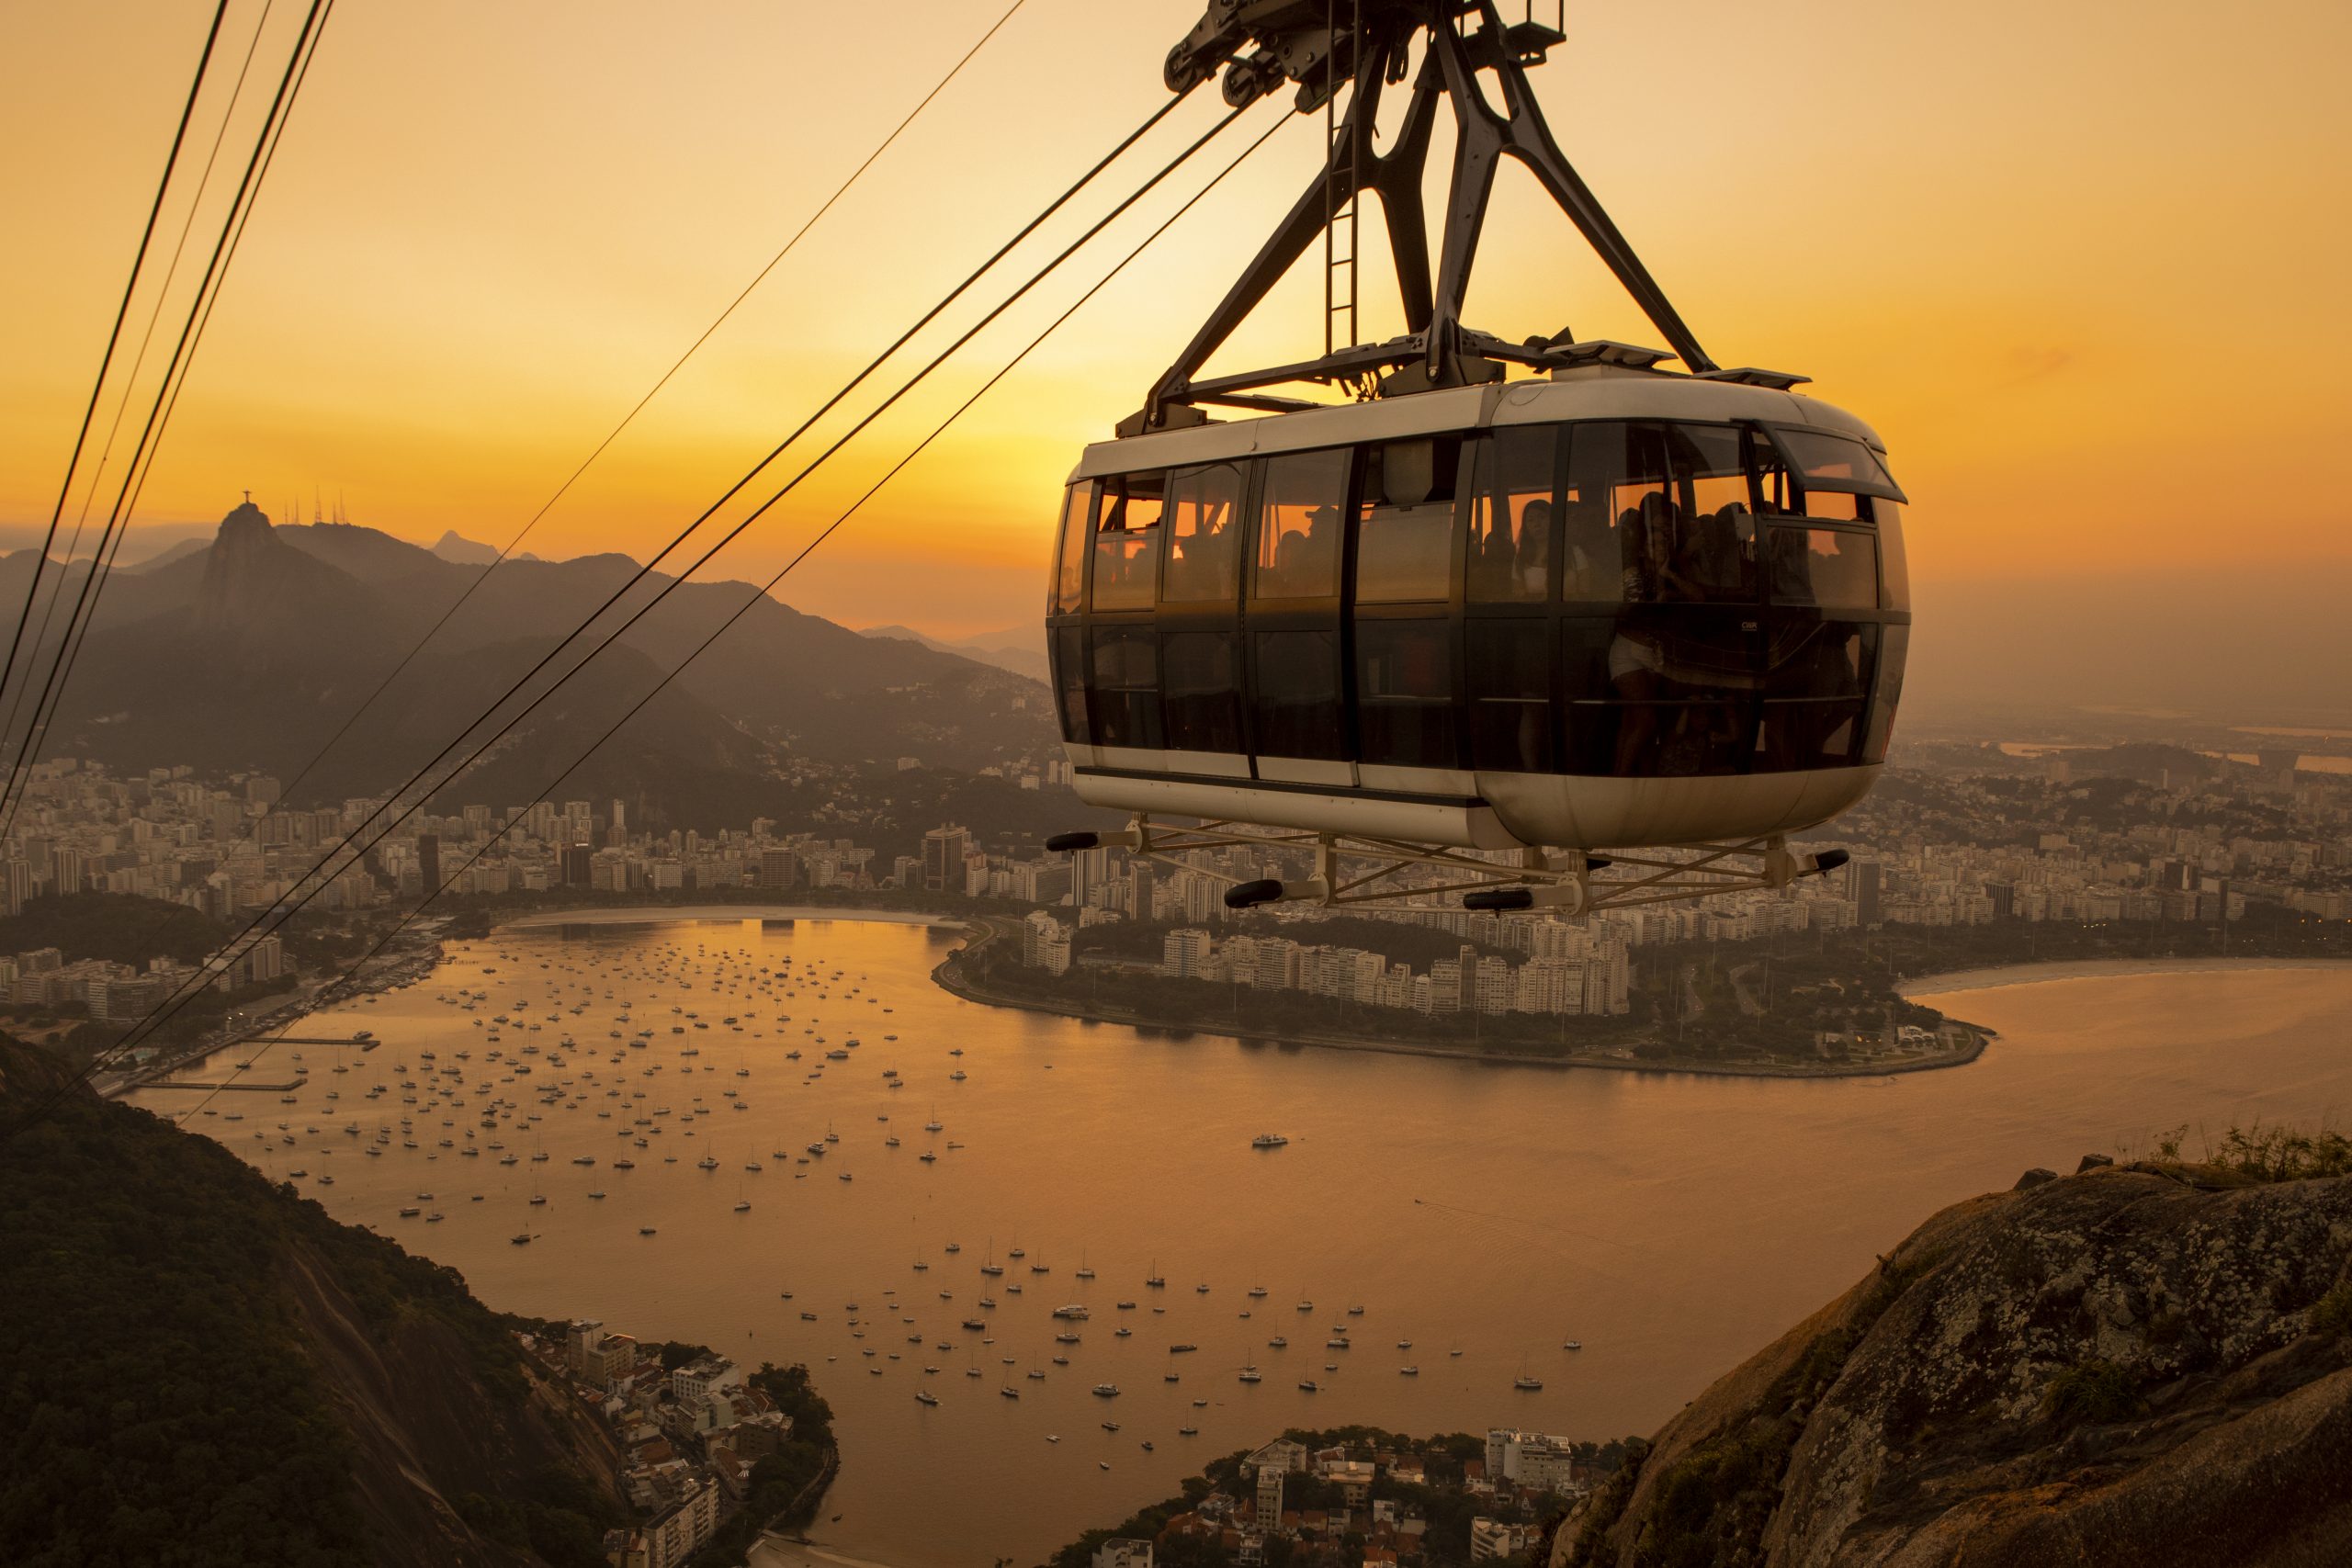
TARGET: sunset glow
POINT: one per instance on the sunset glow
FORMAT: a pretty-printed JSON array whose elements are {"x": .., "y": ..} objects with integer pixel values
[{"x": 2011, "y": 239}]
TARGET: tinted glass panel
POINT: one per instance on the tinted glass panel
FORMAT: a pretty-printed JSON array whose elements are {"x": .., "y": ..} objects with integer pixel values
[
  {"x": 1510, "y": 517},
  {"x": 1814, "y": 691},
  {"x": 1658, "y": 514},
  {"x": 1404, "y": 692},
  {"x": 1200, "y": 695},
  {"x": 1069, "y": 651},
  {"x": 1824, "y": 461},
  {"x": 1589, "y": 716},
  {"x": 1405, "y": 528},
  {"x": 1663, "y": 692},
  {"x": 1893, "y": 644},
  {"x": 1783, "y": 494},
  {"x": 1204, "y": 534},
  {"x": 1591, "y": 564},
  {"x": 1713, "y": 560},
  {"x": 1299, "y": 524},
  {"x": 1126, "y": 682},
  {"x": 1070, "y": 575},
  {"x": 1127, "y": 541},
  {"x": 1511, "y": 695},
  {"x": 1893, "y": 568},
  {"x": 1295, "y": 676},
  {"x": 1833, "y": 567},
  {"x": 1622, "y": 530}
]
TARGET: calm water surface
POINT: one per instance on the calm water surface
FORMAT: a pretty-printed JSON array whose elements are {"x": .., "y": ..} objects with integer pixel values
[{"x": 1671, "y": 1223}]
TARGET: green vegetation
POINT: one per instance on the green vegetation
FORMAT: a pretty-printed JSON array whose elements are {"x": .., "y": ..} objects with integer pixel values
[
  {"x": 1907, "y": 951},
  {"x": 785, "y": 1486},
  {"x": 555, "y": 1515},
  {"x": 2332, "y": 1315},
  {"x": 163, "y": 1401},
  {"x": 2094, "y": 1393},
  {"x": 119, "y": 927},
  {"x": 2259, "y": 1154}
]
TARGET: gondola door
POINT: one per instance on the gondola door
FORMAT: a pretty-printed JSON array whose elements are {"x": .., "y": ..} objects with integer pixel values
[
  {"x": 1199, "y": 620},
  {"x": 1296, "y": 649}
]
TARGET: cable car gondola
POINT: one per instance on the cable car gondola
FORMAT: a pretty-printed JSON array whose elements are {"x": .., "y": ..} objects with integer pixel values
[{"x": 1634, "y": 624}]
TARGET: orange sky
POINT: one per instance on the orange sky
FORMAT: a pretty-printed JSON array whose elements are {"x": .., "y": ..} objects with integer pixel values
[{"x": 2079, "y": 264}]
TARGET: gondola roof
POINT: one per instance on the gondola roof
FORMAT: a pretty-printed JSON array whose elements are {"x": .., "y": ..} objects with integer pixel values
[{"x": 1599, "y": 391}]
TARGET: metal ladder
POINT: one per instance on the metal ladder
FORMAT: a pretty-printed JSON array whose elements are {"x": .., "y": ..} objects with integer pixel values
[{"x": 1339, "y": 215}]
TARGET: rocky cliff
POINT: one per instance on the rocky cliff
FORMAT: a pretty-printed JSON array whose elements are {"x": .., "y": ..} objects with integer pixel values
[
  {"x": 2137, "y": 1365},
  {"x": 205, "y": 1369}
]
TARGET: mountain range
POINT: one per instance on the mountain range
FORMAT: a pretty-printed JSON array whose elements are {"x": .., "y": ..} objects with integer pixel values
[
  {"x": 251, "y": 652},
  {"x": 1021, "y": 649}
]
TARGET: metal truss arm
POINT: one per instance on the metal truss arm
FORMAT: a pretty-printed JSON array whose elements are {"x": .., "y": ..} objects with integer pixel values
[
  {"x": 1333, "y": 184},
  {"x": 1525, "y": 136},
  {"x": 1564, "y": 883}
]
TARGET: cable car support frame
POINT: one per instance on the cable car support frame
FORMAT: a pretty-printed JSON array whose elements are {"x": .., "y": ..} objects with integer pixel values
[
  {"x": 1367, "y": 46},
  {"x": 1563, "y": 883}
]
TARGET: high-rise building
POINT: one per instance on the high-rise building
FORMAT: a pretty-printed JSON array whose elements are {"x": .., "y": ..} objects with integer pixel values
[
  {"x": 1863, "y": 883},
  {"x": 944, "y": 848},
  {"x": 779, "y": 870},
  {"x": 428, "y": 860},
  {"x": 1270, "y": 1497},
  {"x": 1185, "y": 954}
]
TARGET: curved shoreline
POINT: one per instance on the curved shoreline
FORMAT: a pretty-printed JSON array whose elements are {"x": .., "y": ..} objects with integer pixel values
[
  {"x": 981, "y": 929},
  {"x": 1956, "y": 980}
]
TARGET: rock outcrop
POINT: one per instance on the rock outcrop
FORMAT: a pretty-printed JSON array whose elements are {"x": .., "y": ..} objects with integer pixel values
[{"x": 2136, "y": 1365}]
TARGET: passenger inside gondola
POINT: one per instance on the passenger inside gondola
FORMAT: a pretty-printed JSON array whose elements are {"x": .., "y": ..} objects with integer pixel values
[
  {"x": 1299, "y": 525},
  {"x": 1532, "y": 569},
  {"x": 1204, "y": 534},
  {"x": 1126, "y": 543}
]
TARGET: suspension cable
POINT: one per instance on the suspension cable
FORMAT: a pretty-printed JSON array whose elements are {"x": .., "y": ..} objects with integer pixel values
[
  {"x": 683, "y": 535},
  {"x": 6, "y": 812},
  {"x": 760, "y": 594},
  {"x": 630, "y": 418},
  {"x": 130, "y": 380},
  {"x": 114, "y": 337},
  {"x": 319, "y": 876},
  {"x": 166, "y": 399}
]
